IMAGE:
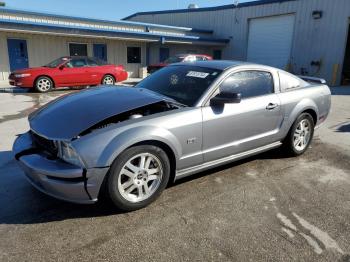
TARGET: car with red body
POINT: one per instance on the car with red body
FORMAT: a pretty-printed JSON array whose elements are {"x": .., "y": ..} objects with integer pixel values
[
  {"x": 68, "y": 72},
  {"x": 176, "y": 59}
]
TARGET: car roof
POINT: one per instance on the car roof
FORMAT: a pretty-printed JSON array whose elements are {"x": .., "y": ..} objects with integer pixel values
[
  {"x": 182, "y": 55},
  {"x": 214, "y": 64}
]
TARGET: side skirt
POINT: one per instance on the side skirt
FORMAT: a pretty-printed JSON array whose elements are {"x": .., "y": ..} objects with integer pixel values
[{"x": 205, "y": 166}]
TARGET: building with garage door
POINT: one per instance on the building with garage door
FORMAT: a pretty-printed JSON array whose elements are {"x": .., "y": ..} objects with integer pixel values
[
  {"x": 303, "y": 36},
  {"x": 30, "y": 39}
]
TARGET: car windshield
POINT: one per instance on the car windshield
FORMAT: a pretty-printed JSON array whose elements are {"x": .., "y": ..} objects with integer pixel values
[
  {"x": 174, "y": 59},
  {"x": 57, "y": 62},
  {"x": 185, "y": 84}
]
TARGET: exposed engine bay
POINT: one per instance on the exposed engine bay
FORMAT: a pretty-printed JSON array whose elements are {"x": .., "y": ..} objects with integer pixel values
[{"x": 150, "y": 109}]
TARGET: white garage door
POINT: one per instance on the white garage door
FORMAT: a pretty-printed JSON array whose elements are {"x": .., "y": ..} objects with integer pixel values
[{"x": 270, "y": 40}]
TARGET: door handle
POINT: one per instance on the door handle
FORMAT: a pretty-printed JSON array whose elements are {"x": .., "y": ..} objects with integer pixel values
[{"x": 271, "y": 106}]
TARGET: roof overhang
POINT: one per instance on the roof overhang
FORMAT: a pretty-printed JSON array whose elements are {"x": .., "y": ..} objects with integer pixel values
[
  {"x": 110, "y": 22},
  {"x": 206, "y": 9},
  {"x": 81, "y": 31}
]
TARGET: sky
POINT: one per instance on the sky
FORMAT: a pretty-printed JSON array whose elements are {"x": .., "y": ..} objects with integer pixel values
[{"x": 108, "y": 9}]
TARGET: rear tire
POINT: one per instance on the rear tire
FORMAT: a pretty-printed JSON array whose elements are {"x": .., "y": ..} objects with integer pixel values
[
  {"x": 43, "y": 84},
  {"x": 108, "y": 80},
  {"x": 300, "y": 135},
  {"x": 137, "y": 177}
]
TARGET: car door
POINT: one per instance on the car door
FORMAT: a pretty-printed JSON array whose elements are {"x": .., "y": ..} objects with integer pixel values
[
  {"x": 74, "y": 72},
  {"x": 96, "y": 71},
  {"x": 239, "y": 127}
]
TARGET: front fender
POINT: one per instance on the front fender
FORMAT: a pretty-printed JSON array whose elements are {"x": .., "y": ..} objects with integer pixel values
[
  {"x": 100, "y": 150},
  {"x": 136, "y": 135}
]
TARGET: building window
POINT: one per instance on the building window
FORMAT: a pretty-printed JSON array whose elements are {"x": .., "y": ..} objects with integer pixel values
[
  {"x": 217, "y": 54},
  {"x": 77, "y": 49},
  {"x": 163, "y": 54},
  {"x": 134, "y": 55}
]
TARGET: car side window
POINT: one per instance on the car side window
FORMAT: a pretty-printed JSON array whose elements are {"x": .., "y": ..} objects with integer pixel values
[
  {"x": 249, "y": 83},
  {"x": 200, "y": 58},
  {"x": 78, "y": 62},
  {"x": 92, "y": 62},
  {"x": 190, "y": 58}
]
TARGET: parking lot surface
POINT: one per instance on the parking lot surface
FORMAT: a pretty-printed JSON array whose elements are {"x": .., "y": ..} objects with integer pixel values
[{"x": 265, "y": 208}]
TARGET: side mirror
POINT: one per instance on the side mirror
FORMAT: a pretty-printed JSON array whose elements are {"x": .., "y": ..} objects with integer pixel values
[{"x": 226, "y": 98}]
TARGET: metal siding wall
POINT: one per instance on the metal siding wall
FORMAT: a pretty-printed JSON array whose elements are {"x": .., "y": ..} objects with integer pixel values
[
  {"x": 43, "y": 49},
  {"x": 4, "y": 61},
  {"x": 117, "y": 54},
  {"x": 323, "y": 39}
]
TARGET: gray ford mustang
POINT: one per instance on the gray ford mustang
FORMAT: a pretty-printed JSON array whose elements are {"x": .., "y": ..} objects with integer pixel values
[{"x": 185, "y": 118}]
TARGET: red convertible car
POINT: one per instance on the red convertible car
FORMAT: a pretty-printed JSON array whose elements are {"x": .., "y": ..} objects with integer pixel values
[
  {"x": 176, "y": 59},
  {"x": 68, "y": 72}
]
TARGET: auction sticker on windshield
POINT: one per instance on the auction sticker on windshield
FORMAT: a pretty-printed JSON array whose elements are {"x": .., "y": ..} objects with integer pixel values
[{"x": 197, "y": 74}]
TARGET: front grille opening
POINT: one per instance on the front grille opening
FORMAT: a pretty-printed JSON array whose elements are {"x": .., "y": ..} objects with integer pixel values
[{"x": 45, "y": 144}]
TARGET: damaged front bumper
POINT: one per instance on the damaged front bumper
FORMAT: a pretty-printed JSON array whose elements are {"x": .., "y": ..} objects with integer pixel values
[{"x": 56, "y": 177}]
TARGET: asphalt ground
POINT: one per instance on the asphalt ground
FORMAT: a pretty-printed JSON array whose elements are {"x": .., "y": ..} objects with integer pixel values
[{"x": 266, "y": 208}]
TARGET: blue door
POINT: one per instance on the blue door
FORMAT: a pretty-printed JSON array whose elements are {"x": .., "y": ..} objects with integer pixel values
[
  {"x": 18, "y": 55},
  {"x": 163, "y": 54},
  {"x": 100, "y": 51}
]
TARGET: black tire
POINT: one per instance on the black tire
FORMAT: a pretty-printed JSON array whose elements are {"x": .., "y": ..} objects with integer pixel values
[
  {"x": 288, "y": 143},
  {"x": 108, "y": 80},
  {"x": 115, "y": 174},
  {"x": 43, "y": 84}
]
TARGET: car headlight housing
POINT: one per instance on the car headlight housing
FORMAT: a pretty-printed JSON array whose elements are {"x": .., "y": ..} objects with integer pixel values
[
  {"x": 22, "y": 75},
  {"x": 68, "y": 154}
]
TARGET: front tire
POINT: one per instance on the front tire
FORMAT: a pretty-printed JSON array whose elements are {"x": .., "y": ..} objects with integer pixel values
[
  {"x": 300, "y": 135},
  {"x": 138, "y": 176},
  {"x": 43, "y": 84},
  {"x": 108, "y": 80}
]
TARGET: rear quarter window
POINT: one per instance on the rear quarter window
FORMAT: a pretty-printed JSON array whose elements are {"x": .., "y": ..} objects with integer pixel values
[{"x": 289, "y": 82}]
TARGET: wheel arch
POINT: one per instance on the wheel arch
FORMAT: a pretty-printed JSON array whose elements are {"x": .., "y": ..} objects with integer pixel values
[
  {"x": 167, "y": 149},
  {"x": 313, "y": 114},
  {"x": 36, "y": 79},
  {"x": 306, "y": 105},
  {"x": 108, "y": 74}
]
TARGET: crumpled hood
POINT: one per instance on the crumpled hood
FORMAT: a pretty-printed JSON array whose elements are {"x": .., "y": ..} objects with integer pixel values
[{"x": 68, "y": 116}]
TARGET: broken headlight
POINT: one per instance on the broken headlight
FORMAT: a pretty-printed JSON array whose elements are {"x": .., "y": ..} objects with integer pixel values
[{"x": 68, "y": 154}]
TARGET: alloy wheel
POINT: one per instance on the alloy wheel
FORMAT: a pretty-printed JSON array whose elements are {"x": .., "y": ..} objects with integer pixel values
[
  {"x": 140, "y": 177},
  {"x": 302, "y": 135},
  {"x": 108, "y": 80},
  {"x": 44, "y": 84}
]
